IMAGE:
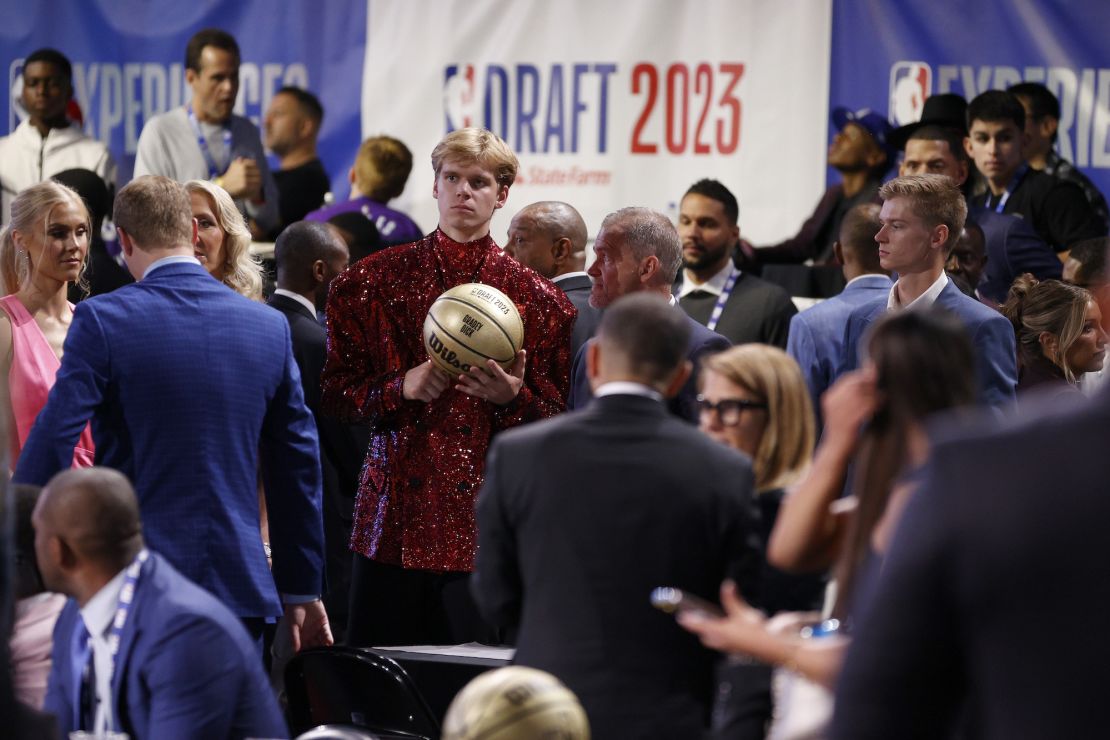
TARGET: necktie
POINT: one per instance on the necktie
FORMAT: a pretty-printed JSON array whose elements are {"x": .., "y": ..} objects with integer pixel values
[{"x": 83, "y": 670}]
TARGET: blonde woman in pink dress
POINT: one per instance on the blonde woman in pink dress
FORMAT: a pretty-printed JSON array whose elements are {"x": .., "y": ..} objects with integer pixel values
[{"x": 43, "y": 248}]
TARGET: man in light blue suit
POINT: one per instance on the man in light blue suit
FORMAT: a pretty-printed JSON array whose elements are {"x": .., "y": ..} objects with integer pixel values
[
  {"x": 192, "y": 389},
  {"x": 922, "y": 217},
  {"x": 184, "y": 667},
  {"x": 816, "y": 334}
]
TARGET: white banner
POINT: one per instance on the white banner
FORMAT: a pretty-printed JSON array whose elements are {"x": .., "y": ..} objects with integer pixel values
[{"x": 613, "y": 104}]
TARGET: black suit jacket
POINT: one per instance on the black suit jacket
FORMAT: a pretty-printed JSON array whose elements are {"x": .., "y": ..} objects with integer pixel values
[
  {"x": 1056, "y": 209},
  {"x": 991, "y": 610},
  {"x": 342, "y": 447},
  {"x": 579, "y": 518},
  {"x": 756, "y": 311},
  {"x": 702, "y": 342},
  {"x": 578, "y": 289}
]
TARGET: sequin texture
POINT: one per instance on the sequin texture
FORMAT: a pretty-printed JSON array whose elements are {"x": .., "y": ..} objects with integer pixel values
[{"x": 423, "y": 469}]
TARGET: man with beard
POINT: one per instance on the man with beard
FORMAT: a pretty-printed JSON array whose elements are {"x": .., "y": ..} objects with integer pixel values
[{"x": 716, "y": 294}]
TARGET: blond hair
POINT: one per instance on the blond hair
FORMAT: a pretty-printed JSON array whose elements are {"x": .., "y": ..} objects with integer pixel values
[
  {"x": 155, "y": 213},
  {"x": 382, "y": 168},
  {"x": 936, "y": 199},
  {"x": 1052, "y": 306},
  {"x": 786, "y": 446},
  {"x": 30, "y": 213},
  {"x": 479, "y": 146},
  {"x": 242, "y": 272}
]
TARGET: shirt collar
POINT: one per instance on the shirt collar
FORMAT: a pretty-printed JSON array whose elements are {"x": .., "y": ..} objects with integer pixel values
[
  {"x": 100, "y": 610},
  {"x": 925, "y": 300},
  {"x": 713, "y": 285},
  {"x": 298, "y": 298},
  {"x": 869, "y": 277},
  {"x": 175, "y": 259},
  {"x": 628, "y": 388},
  {"x": 567, "y": 276}
]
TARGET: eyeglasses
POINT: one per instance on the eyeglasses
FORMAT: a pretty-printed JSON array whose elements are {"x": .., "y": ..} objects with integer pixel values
[{"x": 728, "y": 410}]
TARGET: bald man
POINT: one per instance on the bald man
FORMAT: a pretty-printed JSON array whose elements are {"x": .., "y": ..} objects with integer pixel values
[
  {"x": 309, "y": 255},
  {"x": 189, "y": 670},
  {"x": 550, "y": 237}
]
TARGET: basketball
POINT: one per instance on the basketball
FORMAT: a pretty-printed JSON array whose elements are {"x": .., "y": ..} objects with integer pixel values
[
  {"x": 469, "y": 324},
  {"x": 515, "y": 703}
]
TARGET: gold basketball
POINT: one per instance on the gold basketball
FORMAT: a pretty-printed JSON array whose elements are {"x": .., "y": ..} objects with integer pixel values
[
  {"x": 469, "y": 324},
  {"x": 515, "y": 703}
]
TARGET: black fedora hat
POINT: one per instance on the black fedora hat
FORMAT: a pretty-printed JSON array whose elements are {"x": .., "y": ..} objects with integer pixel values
[{"x": 946, "y": 109}]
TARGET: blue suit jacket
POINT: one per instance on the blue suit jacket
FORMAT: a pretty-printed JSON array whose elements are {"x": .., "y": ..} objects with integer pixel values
[
  {"x": 817, "y": 334},
  {"x": 1012, "y": 248},
  {"x": 991, "y": 335},
  {"x": 188, "y": 384},
  {"x": 185, "y": 667},
  {"x": 702, "y": 342}
]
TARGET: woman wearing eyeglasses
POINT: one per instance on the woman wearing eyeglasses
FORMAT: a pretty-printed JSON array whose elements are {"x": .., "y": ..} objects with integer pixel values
[
  {"x": 753, "y": 399},
  {"x": 919, "y": 363}
]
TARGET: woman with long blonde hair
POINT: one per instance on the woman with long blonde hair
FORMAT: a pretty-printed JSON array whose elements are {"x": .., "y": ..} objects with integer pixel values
[
  {"x": 43, "y": 248},
  {"x": 223, "y": 239}
]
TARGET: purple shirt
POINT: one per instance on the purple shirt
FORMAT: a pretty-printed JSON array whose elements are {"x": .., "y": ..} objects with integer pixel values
[{"x": 393, "y": 226}]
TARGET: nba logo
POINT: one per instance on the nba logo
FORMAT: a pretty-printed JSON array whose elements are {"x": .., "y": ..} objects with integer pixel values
[
  {"x": 459, "y": 100},
  {"x": 910, "y": 84}
]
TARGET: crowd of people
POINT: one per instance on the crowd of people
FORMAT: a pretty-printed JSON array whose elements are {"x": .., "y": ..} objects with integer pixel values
[{"x": 213, "y": 467}]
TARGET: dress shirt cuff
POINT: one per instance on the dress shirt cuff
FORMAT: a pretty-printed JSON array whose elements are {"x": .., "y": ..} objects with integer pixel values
[{"x": 298, "y": 598}]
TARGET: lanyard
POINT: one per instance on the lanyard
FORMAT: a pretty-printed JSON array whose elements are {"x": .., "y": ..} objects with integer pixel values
[
  {"x": 722, "y": 299},
  {"x": 1009, "y": 189},
  {"x": 126, "y": 596},
  {"x": 213, "y": 170}
]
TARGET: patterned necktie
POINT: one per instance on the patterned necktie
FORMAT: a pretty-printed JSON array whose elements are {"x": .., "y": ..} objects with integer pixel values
[{"x": 85, "y": 706}]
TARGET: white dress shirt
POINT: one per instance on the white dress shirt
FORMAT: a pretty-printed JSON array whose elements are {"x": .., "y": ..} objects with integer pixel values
[
  {"x": 628, "y": 388},
  {"x": 171, "y": 260},
  {"x": 714, "y": 285},
  {"x": 98, "y": 614},
  {"x": 298, "y": 298},
  {"x": 925, "y": 300}
]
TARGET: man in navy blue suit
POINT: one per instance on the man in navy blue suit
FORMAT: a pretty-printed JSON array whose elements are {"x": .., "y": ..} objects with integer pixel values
[
  {"x": 816, "y": 334},
  {"x": 138, "y": 648},
  {"x": 192, "y": 389},
  {"x": 922, "y": 217},
  {"x": 638, "y": 249}
]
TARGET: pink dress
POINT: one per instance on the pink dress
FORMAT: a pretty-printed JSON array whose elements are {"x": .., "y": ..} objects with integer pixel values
[{"x": 30, "y": 379}]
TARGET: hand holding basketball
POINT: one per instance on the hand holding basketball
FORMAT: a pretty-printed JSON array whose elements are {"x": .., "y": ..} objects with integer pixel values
[
  {"x": 472, "y": 323},
  {"x": 425, "y": 382},
  {"x": 492, "y": 383}
]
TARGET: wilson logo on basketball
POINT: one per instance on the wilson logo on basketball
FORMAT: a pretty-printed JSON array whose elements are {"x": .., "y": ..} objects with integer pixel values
[
  {"x": 471, "y": 324},
  {"x": 445, "y": 355}
]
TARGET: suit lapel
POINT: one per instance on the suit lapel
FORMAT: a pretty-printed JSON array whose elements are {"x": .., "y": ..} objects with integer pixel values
[{"x": 949, "y": 295}]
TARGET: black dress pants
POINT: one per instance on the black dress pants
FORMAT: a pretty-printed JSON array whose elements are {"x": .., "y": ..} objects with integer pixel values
[{"x": 391, "y": 605}]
